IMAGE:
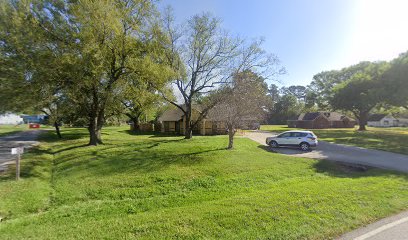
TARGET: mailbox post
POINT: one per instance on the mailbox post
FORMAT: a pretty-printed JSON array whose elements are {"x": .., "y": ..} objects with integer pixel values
[{"x": 17, "y": 151}]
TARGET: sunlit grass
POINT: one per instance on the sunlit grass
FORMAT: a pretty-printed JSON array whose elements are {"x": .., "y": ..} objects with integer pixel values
[
  {"x": 10, "y": 129},
  {"x": 155, "y": 187}
]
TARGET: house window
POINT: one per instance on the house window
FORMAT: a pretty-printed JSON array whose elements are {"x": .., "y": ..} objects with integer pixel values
[{"x": 386, "y": 122}]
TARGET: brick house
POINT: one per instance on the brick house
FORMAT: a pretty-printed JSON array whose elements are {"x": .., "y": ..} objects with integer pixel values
[
  {"x": 319, "y": 120},
  {"x": 173, "y": 121}
]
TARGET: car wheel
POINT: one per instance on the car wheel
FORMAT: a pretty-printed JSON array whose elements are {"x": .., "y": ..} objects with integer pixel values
[
  {"x": 305, "y": 146},
  {"x": 274, "y": 144}
]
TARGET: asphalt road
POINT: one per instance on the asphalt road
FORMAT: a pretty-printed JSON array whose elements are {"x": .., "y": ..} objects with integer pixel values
[
  {"x": 341, "y": 153},
  {"x": 24, "y": 139},
  {"x": 391, "y": 228}
]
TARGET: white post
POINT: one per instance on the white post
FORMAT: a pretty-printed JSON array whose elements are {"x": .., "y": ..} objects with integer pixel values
[
  {"x": 17, "y": 151},
  {"x": 18, "y": 167}
]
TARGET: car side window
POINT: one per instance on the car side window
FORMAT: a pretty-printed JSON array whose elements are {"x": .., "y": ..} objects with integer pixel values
[
  {"x": 284, "y": 135},
  {"x": 296, "y": 134},
  {"x": 303, "y": 134}
]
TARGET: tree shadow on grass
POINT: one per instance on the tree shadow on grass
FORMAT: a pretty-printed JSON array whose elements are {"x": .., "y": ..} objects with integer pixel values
[
  {"x": 67, "y": 135},
  {"x": 32, "y": 164},
  {"x": 70, "y": 148},
  {"x": 350, "y": 170},
  {"x": 138, "y": 161}
]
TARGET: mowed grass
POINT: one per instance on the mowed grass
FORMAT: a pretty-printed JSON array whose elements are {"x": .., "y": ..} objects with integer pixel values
[
  {"x": 387, "y": 139},
  {"x": 10, "y": 129},
  {"x": 162, "y": 187}
]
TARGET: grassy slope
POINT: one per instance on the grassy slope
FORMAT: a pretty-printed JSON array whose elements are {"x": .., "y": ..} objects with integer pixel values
[
  {"x": 387, "y": 139},
  {"x": 165, "y": 187}
]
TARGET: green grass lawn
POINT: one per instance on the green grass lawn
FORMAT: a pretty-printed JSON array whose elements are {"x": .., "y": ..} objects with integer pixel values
[
  {"x": 387, "y": 139},
  {"x": 162, "y": 187},
  {"x": 10, "y": 129}
]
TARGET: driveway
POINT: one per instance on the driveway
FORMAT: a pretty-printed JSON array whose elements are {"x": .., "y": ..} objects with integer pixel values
[
  {"x": 24, "y": 139},
  {"x": 341, "y": 153}
]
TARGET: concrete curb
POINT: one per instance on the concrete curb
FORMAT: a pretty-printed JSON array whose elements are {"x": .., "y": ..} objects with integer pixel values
[{"x": 391, "y": 227}]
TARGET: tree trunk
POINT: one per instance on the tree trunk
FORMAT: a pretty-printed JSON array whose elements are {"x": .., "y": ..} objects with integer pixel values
[
  {"x": 93, "y": 135},
  {"x": 362, "y": 121},
  {"x": 57, "y": 129},
  {"x": 188, "y": 133},
  {"x": 136, "y": 123},
  {"x": 99, "y": 124},
  {"x": 231, "y": 133}
]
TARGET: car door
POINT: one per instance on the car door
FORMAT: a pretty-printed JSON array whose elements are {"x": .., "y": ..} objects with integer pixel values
[
  {"x": 295, "y": 138},
  {"x": 283, "y": 139}
]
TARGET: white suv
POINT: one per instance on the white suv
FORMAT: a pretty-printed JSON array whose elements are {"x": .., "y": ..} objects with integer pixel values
[{"x": 303, "y": 139}]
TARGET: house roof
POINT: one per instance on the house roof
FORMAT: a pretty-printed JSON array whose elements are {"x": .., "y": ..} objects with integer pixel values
[
  {"x": 309, "y": 116},
  {"x": 376, "y": 117},
  {"x": 171, "y": 115},
  {"x": 331, "y": 116}
]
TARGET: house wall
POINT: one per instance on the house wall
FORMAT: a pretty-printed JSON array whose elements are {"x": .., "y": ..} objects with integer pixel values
[
  {"x": 169, "y": 126},
  {"x": 374, "y": 123},
  {"x": 387, "y": 121},
  {"x": 342, "y": 124},
  {"x": 320, "y": 123},
  {"x": 10, "y": 118},
  {"x": 402, "y": 122},
  {"x": 204, "y": 127},
  {"x": 292, "y": 123}
]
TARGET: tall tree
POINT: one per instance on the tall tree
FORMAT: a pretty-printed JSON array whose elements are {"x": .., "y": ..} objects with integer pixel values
[
  {"x": 395, "y": 80},
  {"x": 361, "y": 92},
  {"x": 244, "y": 99},
  {"x": 296, "y": 90},
  {"x": 206, "y": 56},
  {"x": 88, "y": 48}
]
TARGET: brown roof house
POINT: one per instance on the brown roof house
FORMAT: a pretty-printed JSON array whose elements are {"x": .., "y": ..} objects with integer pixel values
[
  {"x": 319, "y": 120},
  {"x": 173, "y": 121}
]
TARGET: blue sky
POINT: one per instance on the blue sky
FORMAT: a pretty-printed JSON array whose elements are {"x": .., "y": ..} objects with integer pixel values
[{"x": 310, "y": 36}]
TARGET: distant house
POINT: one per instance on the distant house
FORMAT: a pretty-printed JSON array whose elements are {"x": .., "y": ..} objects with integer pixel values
[
  {"x": 402, "y": 122},
  {"x": 10, "y": 118},
  {"x": 173, "y": 121},
  {"x": 319, "y": 120},
  {"x": 41, "y": 118},
  {"x": 382, "y": 120}
]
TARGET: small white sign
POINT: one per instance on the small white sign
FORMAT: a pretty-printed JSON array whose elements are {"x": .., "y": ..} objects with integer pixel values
[{"x": 18, "y": 150}]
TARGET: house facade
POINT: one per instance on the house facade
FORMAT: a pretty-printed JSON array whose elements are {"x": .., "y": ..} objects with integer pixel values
[
  {"x": 11, "y": 118},
  {"x": 173, "y": 121},
  {"x": 382, "y": 120},
  {"x": 320, "y": 120}
]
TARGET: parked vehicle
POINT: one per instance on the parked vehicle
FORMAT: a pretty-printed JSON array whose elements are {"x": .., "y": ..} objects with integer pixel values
[{"x": 305, "y": 140}]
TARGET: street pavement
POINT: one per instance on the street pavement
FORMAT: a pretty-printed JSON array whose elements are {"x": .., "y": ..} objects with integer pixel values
[
  {"x": 24, "y": 139},
  {"x": 391, "y": 228}
]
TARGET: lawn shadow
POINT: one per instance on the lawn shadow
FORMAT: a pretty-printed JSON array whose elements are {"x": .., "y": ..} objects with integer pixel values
[
  {"x": 284, "y": 150},
  {"x": 70, "y": 148},
  {"x": 350, "y": 170},
  {"x": 139, "y": 161},
  {"x": 338, "y": 168},
  {"x": 67, "y": 135}
]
